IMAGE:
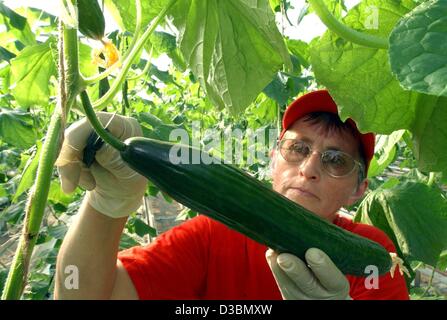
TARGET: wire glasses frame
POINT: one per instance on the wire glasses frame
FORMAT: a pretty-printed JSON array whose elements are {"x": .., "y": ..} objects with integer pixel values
[{"x": 336, "y": 163}]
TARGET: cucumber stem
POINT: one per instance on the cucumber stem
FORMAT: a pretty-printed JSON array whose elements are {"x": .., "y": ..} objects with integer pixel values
[
  {"x": 137, "y": 31},
  {"x": 100, "y": 76},
  {"x": 103, "y": 133},
  {"x": 344, "y": 31},
  {"x": 101, "y": 102},
  {"x": 146, "y": 67}
]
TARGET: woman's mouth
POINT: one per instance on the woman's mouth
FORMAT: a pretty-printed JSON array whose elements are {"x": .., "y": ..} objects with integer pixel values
[{"x": 302, "y": 192}]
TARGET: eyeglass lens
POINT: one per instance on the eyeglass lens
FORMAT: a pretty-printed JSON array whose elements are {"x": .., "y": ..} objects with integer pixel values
[{"x": 335, "y": 162}]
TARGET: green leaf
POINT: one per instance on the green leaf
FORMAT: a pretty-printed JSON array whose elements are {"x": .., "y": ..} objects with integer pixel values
[
  {"x": 163, "y": 76},
  {"x": 14, "y": 213},
  {"x": 390, "y": 183},
  {"x": 3, "y": 276},
  {"x": 31, "y": 71},
  {"x": 418, "y": 49},
  {"x": 430, "y": 134},
  {"x": 3, "y": 192},
  {"x": 160, "y": 130},
  {"x": 359, "y": 78},
  {"x": 56, "y": 195},
  {"x": 163, "y": 42},
  {"x": 17, "y": 128},
  {"x": 86, "y": 65},
  {"x": 277, "y": 89},
  {"x": 6, "y": 55},
  {"x": 141, "y": 228},
  {"x": 124, "y": 13},
  {"x": 442, "y": 262},
  {"x": 385, "y": 152},
  {"x": 153, "y": 191},
  {"x": 16, "y": 27},
  {"x": 414, "y": 217},
  {"x": 185, "y": 214},
  {"x": 284, "y": 87},
  {"x": 29, "y": 173},
  {"x": 264, "y": 109},
  {"x": 127, "y": 241},
  {"x": 233, "y": 47},
  {"x": 57, "y": 232},
  {"x": 275, "y": 5},
  {"x": 300, "y": 49}
]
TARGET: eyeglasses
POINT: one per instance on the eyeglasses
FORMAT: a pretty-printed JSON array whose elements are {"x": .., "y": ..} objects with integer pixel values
[{"x": 334, "y": 162}]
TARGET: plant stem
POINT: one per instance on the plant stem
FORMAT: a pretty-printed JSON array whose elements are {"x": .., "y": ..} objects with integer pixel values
[
  {"x": 37, "y": 199},
  {"x": 430, "y": 283},
  {"x": 344, "y": 31},
  {"x": 73, "y": 81},
  {"x": 103, "y": 133},
  {"x": 137, "y": 31},
  {"x": 125, "y": 104},
  {"x": 130, "y": 58},
  {"x": 145, "y": 69},
  {"x": 431, "y": 179},
  {"x": 101, "y": 75}
]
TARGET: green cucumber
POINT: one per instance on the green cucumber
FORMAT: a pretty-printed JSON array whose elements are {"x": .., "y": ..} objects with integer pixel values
[
  {"x": 91, "y": 19},
  {"x": 231, "y": 196}
]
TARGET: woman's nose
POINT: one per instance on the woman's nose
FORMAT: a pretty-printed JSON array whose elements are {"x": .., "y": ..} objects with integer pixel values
[{"x": 311, "y": 166}]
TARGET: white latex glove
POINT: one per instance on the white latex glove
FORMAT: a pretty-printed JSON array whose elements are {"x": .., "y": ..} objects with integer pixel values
[
  {"x": 114, "y": 189},
  {"x": 320, "y": 280}
]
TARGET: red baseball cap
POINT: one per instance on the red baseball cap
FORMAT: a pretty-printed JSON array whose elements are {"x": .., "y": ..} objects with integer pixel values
[{"x": 321, "y": 101}]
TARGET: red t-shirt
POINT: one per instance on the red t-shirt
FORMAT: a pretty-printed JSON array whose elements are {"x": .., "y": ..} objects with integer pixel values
[{"x": 204, "y": 259}]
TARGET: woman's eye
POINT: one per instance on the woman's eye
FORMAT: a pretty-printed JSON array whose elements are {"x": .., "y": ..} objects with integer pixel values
[
  {"x": 300, "y": 148},
  {"x": 335, "y": 158}
]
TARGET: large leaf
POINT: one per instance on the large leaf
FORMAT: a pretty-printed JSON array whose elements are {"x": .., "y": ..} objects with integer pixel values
[
  {"x": 418, "y": 49},
  {"x": 16, "y": 128},
  {"x": 413, "y": 215},
  {"x": 359, "y": 78},
  {"x": 233, "y": 47},
  {"x": 430, "y": 133},
  {"x": 17, "y": 27},
  {"x": 124, "y": 13},
  {"x": 31, "y": 71}
]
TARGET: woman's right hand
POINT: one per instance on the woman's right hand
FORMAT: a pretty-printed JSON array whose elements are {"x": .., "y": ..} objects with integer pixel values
[{"x": 113, "y": 188}]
